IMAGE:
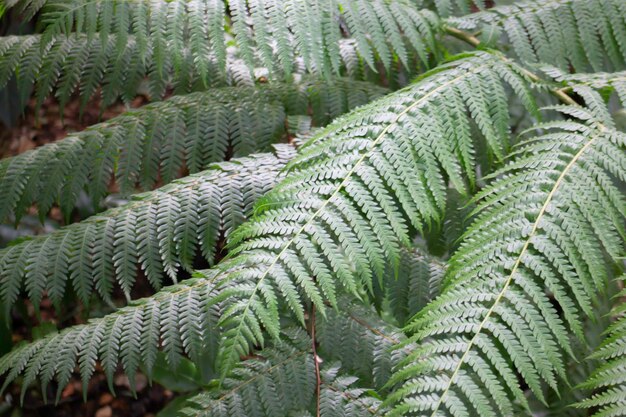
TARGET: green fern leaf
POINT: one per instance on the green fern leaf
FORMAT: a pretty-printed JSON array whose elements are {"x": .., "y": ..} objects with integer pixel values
[
  {"x": 351, "y": 174},
  {"x": 157, "y": 231},
  {"x": 579, "y": 33},
  {"x": 553, "y": 219},
  {"x": 120, "y": 63},
  {"x": 158, "y": 140},
  {"x": 265, "y": 271},
  {"x": 607, "y": 381},
  {"x": 169, "y": 320},
  {"x": 178, "y": 34}
]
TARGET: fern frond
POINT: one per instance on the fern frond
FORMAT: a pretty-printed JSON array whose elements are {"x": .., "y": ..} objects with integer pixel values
[
  {"x": 355, "y": 191},
  {"x": 608, "y": 381},
  {"x": 412, "y": 285},
  {"x": 340, "y": 398},
  {"x": 354, "y": 337},
  {"x": 284, "y": 371},
  {"x": 70, "y": 64},
  {"x": 581, "y": 33},
  {"x": 322, "y": 221},
  {"x": 269, "y": 33},
  {"x": 177, "y": 320},
  {"x": 545, "y": 232},
  {"x": 140, "y": 146},
  {"x": 358, "y": 338},
  {"x": 156, "y": 141},
  {"x": 610, "y": 82},
  {"x": 113, "y": 246},
  {"x": 281, "y": 380}
]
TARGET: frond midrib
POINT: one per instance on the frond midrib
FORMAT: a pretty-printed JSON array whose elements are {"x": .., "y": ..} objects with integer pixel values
[
  {"x": 349, "y": 174},
  {"x": 451, "y": 381}
]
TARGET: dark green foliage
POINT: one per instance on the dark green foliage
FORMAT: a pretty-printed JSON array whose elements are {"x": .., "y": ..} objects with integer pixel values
[
  {"x": 279, "y": 381},
  {"x": 362, "y": 342},
  {"x": 608, "y": 381},
  {"x": 175, "y": 320},
  {"x": 414, "y": 257},
  {"x": 69, "y": 64},
  {"x": 355, "y": 345},
  {"x": 117, "y": 42},
  {"x": 178, "y": 318},
  {"x": 157, "y": 232},
  {"x": 156, "y": 142},
  {"x": 412, "y": 285},
  {"x": 282, "y": 381}
]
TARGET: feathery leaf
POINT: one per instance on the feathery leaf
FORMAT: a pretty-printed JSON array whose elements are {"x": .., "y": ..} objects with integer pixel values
[
  {"x": 112, "y": 246},
  {"x": 579, "y": 33},
  {"x": 545, "y": 229},
  {"x": 333, "y": 217},
  {"x": 192, "y": 35},
  {"x": 157, "y": 141},
  {"x": 351, "y": 196}
]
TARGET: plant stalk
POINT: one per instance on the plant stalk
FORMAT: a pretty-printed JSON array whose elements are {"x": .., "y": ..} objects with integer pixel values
[{"x": 476, "y": 43}]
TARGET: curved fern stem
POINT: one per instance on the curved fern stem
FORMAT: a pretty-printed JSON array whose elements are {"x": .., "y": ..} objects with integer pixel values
[
  {"x": 476, "y": 43},
  {"x": 612, "y": 82}
]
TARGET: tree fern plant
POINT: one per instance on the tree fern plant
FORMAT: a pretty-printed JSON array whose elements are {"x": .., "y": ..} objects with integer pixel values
[{"x": 424, "y": 241}]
